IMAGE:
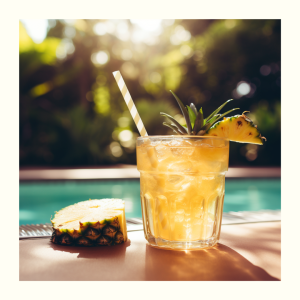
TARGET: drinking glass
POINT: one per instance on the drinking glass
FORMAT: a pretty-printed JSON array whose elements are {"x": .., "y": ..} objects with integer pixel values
[{"x": 182, "y": 181}]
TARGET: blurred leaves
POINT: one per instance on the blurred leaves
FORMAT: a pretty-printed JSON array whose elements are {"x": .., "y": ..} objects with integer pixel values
[
  {"x": 150, "y": 114},
  {"x": 72, "y": 111}
]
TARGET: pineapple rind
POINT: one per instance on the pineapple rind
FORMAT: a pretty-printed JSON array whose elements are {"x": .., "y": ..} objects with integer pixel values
[{"x": 97, "y": 219}]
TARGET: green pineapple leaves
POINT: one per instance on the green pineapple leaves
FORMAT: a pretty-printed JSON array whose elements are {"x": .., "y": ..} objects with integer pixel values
[
  {"x": 173, "y": 127},
  {"x": 195, "y": 122},
  {"x": 217, "y": 110},
  {"x": 221, "y": 116},
  {"x": 214, "y": 118},
  {"x": 192, "y": 115},
  {"x": 194, "y": 109},
  {"x": 185, "y": 114},
  {"x": 199, "y": 122},
  {"x": 180, "y": 128}
]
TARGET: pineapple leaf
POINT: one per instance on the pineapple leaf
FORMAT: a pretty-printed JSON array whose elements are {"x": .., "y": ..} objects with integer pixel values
[
  {"x": 194, "y": 109},
  {"x": 185, "y": 113},
  {"x": 201, "y": 111},
  {"x": 192, "y": 116},
  {"x": 204, "y": 128},
  {"x": 179, "y": 127},
  {"x": 221, "y": 116},
  {"x": 198, "y": 122},
  {"x": 212, "y": 120},
  {"x": 216, "y": 111},
  {"x": 172, "y": 127}
]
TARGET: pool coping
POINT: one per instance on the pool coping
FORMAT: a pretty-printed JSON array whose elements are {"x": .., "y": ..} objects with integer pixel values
[{"x": 129, "y": 172}]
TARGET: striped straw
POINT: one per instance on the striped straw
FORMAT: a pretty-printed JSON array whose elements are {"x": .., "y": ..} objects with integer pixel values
[
  {"x": 135, "y": 116},
  {"x": 134, "y": 113}
]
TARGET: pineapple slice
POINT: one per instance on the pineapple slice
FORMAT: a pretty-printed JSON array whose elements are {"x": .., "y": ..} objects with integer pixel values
[
  {"x": 91, "y": 223},
  {"x": 238, "y": 128}
]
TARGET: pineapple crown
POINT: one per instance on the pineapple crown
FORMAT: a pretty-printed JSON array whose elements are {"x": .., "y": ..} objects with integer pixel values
[{"x": 195, "y": 122}]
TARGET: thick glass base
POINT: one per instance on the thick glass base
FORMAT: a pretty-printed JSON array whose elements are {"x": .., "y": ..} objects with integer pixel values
[{"x": 181, "y": 245}]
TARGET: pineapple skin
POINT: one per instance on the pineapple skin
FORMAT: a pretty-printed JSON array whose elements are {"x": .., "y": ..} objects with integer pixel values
[
  {"x": 238, "y": 128},
  {"x": 104, "y": 233}
]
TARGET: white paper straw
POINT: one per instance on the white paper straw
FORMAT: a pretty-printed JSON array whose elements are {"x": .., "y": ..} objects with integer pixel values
[{"x": 129, "y": 102}]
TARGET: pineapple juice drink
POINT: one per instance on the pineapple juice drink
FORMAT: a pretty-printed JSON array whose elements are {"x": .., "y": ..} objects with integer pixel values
[{"x": 182, "y": 189}]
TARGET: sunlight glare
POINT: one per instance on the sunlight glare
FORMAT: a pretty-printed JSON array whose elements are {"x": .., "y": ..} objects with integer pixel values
[
  {"x": 146, "y": 31},
  {"x": 150, "y": 25},
  {"x": 69, "y": 32},
  {"x": 100, "y": 58},
  {"x": 65, "y": 47},
  {"x": 122, "y": 31},
  {"x": 125, "y": 135},
  {"x": 137, "y": 35},
  {"x": 180, "y": 35},
  {"x": 168, "y": 22},
  {"x": 70, "y": 22},
  {"x": 100, "y": 28},
  {"x": 36, "y": 29},
  {"x": 243, "y": 88}
]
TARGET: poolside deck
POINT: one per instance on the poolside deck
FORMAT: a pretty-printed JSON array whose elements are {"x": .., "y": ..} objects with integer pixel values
[
  {"x": 127, "y": 171},
  {"x": 246, "y": 252}
]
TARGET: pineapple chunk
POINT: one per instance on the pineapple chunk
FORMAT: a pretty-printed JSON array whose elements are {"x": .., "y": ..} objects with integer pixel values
[{"x": 91, "y": 223}]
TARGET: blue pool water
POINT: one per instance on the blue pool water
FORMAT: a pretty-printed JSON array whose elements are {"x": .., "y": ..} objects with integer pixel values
[{"x": 40, "y": 200}]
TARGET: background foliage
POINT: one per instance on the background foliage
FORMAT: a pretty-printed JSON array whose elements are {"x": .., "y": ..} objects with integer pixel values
[{"x": 73, "y": 114}]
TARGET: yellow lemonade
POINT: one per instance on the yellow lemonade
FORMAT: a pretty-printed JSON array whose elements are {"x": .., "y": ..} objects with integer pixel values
[{"x": 182, "y": 189}]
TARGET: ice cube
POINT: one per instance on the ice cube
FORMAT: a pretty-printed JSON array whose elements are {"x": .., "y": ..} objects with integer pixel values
[
  {"x": 180, "y": 166},
  {"x": 175, "y": 143},
  {"x": 162, "y": 152},
  {"x": 173, "y": 179},
  {"x": 177, "y": 183},
  {"x": 182, "y": 151}
]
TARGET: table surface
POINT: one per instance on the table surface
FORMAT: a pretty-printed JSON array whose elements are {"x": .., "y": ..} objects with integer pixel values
[{"x": 245, "y": 252}]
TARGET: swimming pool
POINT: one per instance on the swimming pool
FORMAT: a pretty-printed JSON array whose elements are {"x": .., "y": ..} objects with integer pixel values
[{"x": 39, "y": 200}]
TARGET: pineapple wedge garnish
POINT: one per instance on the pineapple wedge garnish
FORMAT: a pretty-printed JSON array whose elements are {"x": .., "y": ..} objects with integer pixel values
[
  {"x": 238, "y": 128},
  {"x": 91, "y": 223}
]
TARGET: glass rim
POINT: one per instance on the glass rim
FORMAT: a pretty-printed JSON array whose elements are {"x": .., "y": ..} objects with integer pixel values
[{"x": 182, "y": 137}]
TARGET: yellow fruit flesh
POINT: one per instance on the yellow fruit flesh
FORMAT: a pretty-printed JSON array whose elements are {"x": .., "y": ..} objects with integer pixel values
[{"x": 236, "y": 129}]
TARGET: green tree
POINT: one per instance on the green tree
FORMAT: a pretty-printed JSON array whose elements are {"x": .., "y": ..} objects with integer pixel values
[{"x": 72, "y": 112}]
